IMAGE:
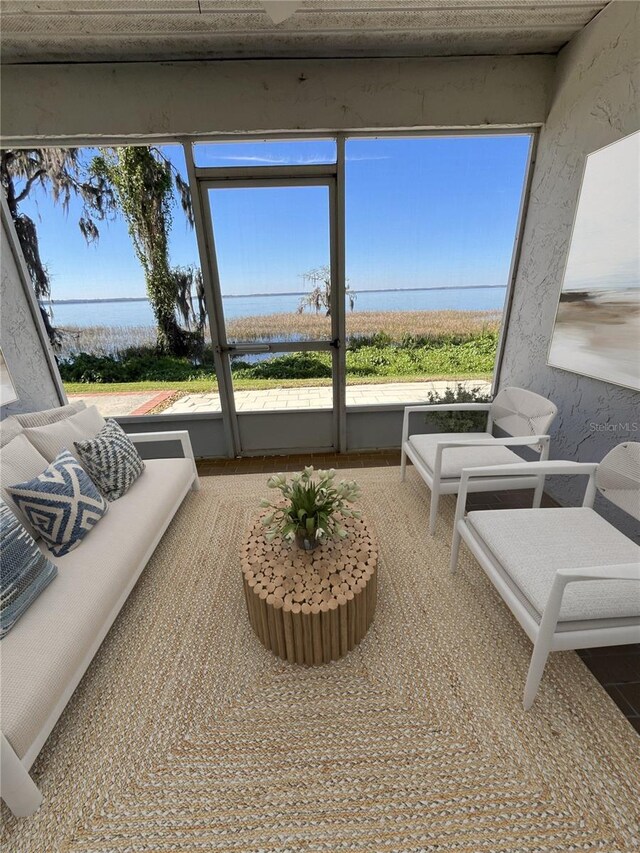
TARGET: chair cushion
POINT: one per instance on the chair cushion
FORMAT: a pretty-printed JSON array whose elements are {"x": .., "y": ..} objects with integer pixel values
[
  {"x": 51, "y": 439},
  {"x": 62, "y": 503},
  {"x": 50, "y": 642},
  {"x": 24, "y": 570},
  {"x": 111, "y": 459},
  {"x": 454, "y": 459},
  {"x": 530, "y": 545},
  {"x": 19, "y": 461}
]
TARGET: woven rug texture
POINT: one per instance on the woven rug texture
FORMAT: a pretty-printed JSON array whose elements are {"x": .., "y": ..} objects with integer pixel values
[{"x": 187, "y": 735}]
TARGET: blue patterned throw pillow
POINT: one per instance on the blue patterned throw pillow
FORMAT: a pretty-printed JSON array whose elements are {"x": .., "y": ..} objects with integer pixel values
[
  {"x": 61, "y": 504},
  {"x": 111, "y": 459},
  {"x": 24, "y": 570}
]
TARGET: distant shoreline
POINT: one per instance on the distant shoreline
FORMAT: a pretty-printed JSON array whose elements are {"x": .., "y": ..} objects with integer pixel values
[{"x": 283, "y": 293}]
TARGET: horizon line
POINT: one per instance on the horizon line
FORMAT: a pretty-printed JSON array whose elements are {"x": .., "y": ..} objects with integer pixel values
[{"x": 286, "y": 293}]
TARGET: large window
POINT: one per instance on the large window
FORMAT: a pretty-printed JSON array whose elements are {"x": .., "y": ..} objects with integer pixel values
[
  {"x": 430, "y": 229},
  {"x": 429, "y": 232},
  {"x": 118, "y": 275}
]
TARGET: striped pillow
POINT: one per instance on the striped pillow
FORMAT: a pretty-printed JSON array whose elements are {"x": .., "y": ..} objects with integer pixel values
[
  {"x": 111, "y": 459},
  {"x": 24, "y": 570},
  {"x": 61, "y": 504}
]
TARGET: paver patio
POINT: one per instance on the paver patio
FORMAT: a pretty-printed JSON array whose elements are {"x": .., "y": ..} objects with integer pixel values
[
  {"x": 273, "y": 399},
  {"x": 320, "y": 398}
]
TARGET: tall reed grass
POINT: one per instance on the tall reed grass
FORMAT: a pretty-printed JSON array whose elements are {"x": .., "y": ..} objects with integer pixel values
[{"x": 395, "y": 325}]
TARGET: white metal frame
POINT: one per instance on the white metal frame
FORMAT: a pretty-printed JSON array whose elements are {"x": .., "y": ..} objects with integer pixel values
[
  {"x": 17, "y": 788},
  {"x": 207, "y": 178},
  {"x": 434, "y": 481},
  {"x": 195, "y": 174},
  {"x": 543, "y": 635}
]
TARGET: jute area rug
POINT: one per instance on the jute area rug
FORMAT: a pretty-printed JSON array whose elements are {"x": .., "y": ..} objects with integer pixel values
[{"x": 187, "y": 735}]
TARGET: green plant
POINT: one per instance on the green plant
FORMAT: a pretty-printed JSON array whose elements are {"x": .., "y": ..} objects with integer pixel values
[
  {"x": 142, "y": 181},
  {"x": 459, "y": 421},
  {"x": 313, "y": 504}
]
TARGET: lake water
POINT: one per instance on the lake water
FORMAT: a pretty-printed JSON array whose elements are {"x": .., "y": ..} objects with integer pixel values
[{"x": 113, "y": 313}]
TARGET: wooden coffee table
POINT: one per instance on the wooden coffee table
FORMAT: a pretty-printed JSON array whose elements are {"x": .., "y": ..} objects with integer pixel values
[{"x": 311, "y": 607}]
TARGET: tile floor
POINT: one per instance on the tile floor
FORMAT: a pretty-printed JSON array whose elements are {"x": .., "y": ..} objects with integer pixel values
[{"x": 617, "y": 668}]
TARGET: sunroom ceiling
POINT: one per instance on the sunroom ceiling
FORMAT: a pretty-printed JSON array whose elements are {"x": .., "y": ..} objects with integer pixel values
[{"x": 124, "y": 30}]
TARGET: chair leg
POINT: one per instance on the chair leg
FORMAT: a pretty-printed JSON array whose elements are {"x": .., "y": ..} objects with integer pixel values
[
  {"x": 537, "y": 495},
  {"x": 433, "y": 512},
  {"x": 403, "y": 465},
  {"x": 455, "y": 550},
  {"x": 541, "y": 651}
]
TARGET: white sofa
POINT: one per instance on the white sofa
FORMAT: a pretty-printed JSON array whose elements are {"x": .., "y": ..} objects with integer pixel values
[{"x": 47, "y": 652}]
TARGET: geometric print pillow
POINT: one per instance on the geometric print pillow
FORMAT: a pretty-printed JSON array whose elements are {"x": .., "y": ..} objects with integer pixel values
[
  {"x": 111, "y": 459},
  {"x": 24, "y": 570},
  {"x": 62, "y": 503}
]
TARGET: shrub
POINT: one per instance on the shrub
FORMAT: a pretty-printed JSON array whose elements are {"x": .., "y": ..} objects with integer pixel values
[
  {"x": 459, "y": 421},
  {"x": 300, "y": 365},
  {"x": 136, "y": 364},
  {"x": 374, "y": 357}
]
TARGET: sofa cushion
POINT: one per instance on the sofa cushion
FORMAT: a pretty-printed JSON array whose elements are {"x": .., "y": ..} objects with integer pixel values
[
  {"x": 91, "y": 583},
  {"x": 19, "y": 461},
  {"x": 111, "y": 459},
  {"x": 530, "y": 545},
  {"x": 24, "y": 570},
  {"x": 51, "y": 439},
  {"x": 62, "y": 504},
  {"x": 50, "y": 416},
  {"x": 9, "y": 428},
  {"x": 454, "y": 459}
]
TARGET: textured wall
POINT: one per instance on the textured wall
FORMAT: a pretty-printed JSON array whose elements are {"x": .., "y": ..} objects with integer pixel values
[
  {"x": 595, "y": 102},
  {"x": 20, "y": 341},
  {"x": 248, "y": 96}
]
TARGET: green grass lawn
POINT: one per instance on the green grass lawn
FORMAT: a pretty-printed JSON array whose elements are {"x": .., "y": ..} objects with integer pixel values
[{"x": 202, "y": 386}]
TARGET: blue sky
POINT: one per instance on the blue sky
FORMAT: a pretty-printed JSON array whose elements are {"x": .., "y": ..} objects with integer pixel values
[{"x": 421, "y": 212}]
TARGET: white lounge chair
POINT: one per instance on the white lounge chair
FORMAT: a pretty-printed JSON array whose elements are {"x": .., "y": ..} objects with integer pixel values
[
  {"x": 569, "y": 577},
  {"x": 439, "y": 458}
]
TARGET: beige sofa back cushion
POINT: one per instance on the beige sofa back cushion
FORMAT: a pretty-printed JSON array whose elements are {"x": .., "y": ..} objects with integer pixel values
[
  {"x": 49, "y": 440},
  {"x": 19, "y": 461},
  {"x": 50, "y": 416},
  {"x": 9, "y": 429}
]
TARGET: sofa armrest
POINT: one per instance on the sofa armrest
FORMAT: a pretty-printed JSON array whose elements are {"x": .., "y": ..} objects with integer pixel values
[{"x": 181, "y": 436}]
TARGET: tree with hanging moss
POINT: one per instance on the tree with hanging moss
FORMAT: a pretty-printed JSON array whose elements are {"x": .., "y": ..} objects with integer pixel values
[
  {"x": 61, "y": 173},
  {"x": 319, "y": 297},
  {"x": 143, "y": 181}
]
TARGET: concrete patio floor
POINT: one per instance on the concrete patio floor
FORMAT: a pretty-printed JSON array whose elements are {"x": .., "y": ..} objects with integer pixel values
[{"x": 273, "y": 399}]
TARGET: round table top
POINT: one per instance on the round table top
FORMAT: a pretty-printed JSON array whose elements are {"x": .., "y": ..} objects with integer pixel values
[{"x": 310, "y": 581}]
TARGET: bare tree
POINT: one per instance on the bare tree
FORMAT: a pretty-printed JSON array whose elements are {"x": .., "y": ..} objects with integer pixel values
[{"x": 319, "y": 298}]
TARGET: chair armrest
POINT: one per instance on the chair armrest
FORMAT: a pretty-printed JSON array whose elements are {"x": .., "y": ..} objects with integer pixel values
[
  {"x": 526, "y": 469},
  {"x": 563, "y": 577},
  {"x": 511, "y": 441},
  {"x": 448, "y": 407},
  {"x": 508, "y": 441},
  {"x": 621, "y": 572},
  {"x": 549, "y": 466},
  {"x": 440, "y": 407}
]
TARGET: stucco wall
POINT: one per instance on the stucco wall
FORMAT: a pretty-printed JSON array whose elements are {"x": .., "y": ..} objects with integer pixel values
[
  {"x": 147, "y": 99},
  {"x": 21, "y": 345},
  {"x": 595, "y": 102}
]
